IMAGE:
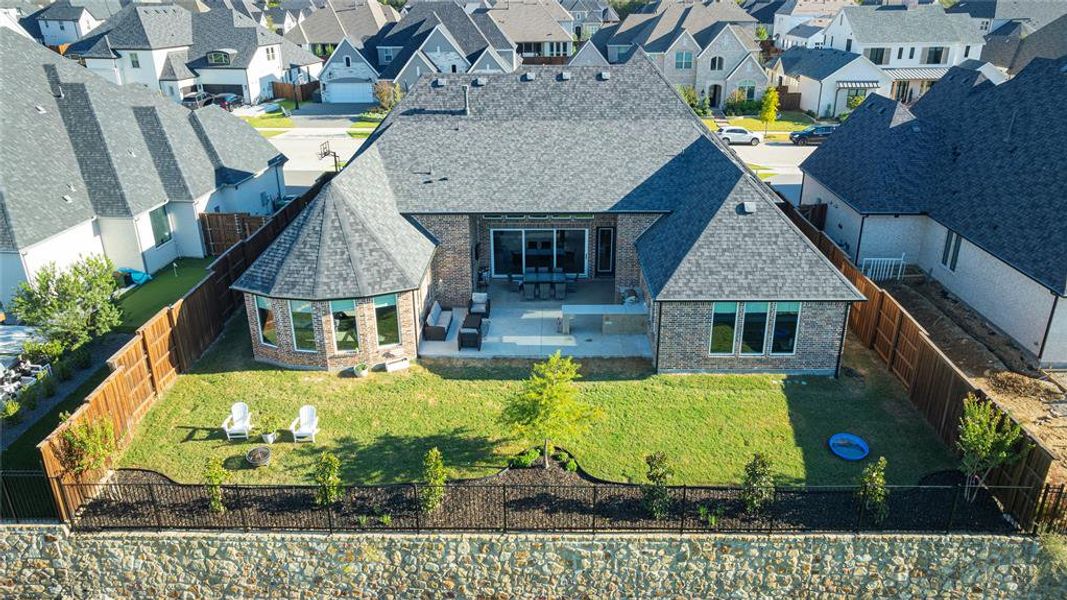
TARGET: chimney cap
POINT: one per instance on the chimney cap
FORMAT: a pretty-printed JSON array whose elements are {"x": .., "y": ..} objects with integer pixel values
[
  {"x": 529, "y": 76},
  {"x": 440, "y": 82},
  {"x": 604, "y": 75}
]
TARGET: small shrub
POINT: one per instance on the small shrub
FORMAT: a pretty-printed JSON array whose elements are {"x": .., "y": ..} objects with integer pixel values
[
  {"x": 757, "y": 486},
  {"x": 63, "y": 370},
  {"x": 88, "y": 445},
  {"x": 48, "y": 385},
  {"x": 328, "y": 478},
  {"x": 562, "y": 456},
  {"x": 42, "y": 353},
  {"x": 433, "y": 472},
  {"x": 10, "y": 411},
  {"x": 570, "y": 466},
  {"x": 214, "y": 476},
  {"x": 710, "y": 516},
  {"x": 81, "y": 358},
  {"x": 657, "y": 498},
  {"x": 872, "y": 491},
  {"x": 987, "y": 440},
  {"x": 689, "y": 94},
  {"x": 385, "y": 520},
  {"x": 363, "y": 521},
  {"x": 526, "y": 459},
  {"x": 64, "y": 416},
  {"x": 28, "y": 396}
]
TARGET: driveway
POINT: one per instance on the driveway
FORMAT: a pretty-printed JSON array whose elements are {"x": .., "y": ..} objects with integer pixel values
[
  {"x": 314, "y": 114},
  {"x": 783, "y": 158},
  {"x": 302, "y": 146}
]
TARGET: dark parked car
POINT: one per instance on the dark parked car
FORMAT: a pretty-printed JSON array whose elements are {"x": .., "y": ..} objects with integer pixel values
[
  {"x": 227, "y": 101},
  {"x": 816, "y": 134},
  {"x": 197, "y": 100}
]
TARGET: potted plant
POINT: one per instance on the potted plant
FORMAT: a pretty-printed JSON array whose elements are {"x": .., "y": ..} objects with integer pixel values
[
  {"x": 270, "y": 431},
  {"x": 361, "y": 370}
]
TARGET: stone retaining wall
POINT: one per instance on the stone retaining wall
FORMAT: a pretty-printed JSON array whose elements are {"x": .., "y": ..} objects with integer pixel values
[{"x": 47, "y": 561}]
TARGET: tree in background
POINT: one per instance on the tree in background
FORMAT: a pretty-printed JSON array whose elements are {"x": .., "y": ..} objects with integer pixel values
[
  {"x": 761, "y": 33},
  {"x": 768, "y": 112},
  {"x": 854, "y": 102},
  {"x": 388, "y": 95},
  {"x": 689, "y": 94},
  {"x": 70, "y": 306},
  {"x": 547, "y": 407},
  {"x": 988, "y": 439},
  {"x": 432, "y": 495}
]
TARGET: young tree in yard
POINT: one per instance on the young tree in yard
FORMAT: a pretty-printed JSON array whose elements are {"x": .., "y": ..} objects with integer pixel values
[
  {"x": 547, "y": 407},
  {"x": 988, "y": 439},
  {"x": 657, "y": 497},
  {"x": 757, "y": 486},
  {"x": 854, "y": 102},
  {"x": 768, "y": 112},
  {"x": 71, "y": 306},
  {"x": 433, "y": 471},
  {"x": 328, "y": 478},
  {"x": 214, "y": 476},
  {"x": 388, "y": 95},
  {"x": 872, "y": 491}
]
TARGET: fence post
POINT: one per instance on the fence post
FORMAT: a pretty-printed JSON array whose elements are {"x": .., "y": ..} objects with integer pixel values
[
  {"x": 685, "y": 494},
  {"x": 66, "y": 502},
  {"x": 863, "y": 508},
  {"x": 155, "y": 506},
  {"x": 595, "y": 488},
  {"x": 952, "y": 511},
  {"x": 241, "y": 507},
  {"x": 504, "y": 489},
  {"x": 7, "y": 498},
  {"x": 418, "y": 509}
]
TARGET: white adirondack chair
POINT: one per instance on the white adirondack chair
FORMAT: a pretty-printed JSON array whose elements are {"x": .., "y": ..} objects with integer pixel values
[
  {"x": 239, "y": 423},
  {"x": 305, "y": 425}
]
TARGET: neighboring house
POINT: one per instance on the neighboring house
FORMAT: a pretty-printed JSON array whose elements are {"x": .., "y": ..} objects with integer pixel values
[
  {"x": 914, "y": 44},
  {"x": 967, "y": 184},
  {"x": 709, "y": 47},
  {"x": 284, "y": 16},
  {"x": 68, "y": 20},
  {"x": 805, "y": 35},
  {"x": 826, "y": 79},
  {"x": 763, "y": 11},
  {"x": 12, "y": 11},
  {"x": 88, "y": 167},
  {"x": 794, "y": 13},
  {"x": 347, "y": 77},
  {"x": 542, "y": 30},
  {"x": 1013, "y": 45},
  {"x": 169, "y": 49},
  {"x": 991, "y": 15},
  {"x": 466, "y": 176},
  {"x": 245, "y": 7},
  {"x": 353, "y": 20},
  {"x": 589, "y": 16},
  {"x": 439, "y": 37}
]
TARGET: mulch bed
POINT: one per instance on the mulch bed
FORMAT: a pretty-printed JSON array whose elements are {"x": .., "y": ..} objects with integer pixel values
[{"x": 532, "y": 499}]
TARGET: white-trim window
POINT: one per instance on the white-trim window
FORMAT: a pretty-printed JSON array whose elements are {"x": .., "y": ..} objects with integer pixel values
[
  {"x": 785, "y": 328},
  {"x": 135, "y": 61},
  {"x": 345, "y": 327},
  {"x": 348, "y": 61},
  {"x": 387, "y": 55},
  {"x": 557, "y": 49},
  {"x": 387, "y": 320},
  {"x": 302, "y": 321},
  {"x": 716, "y": 63},
  {"x": 160, "y": 221},
  {"x": 754, "y": 328},
  {"x": 683, "y": 59},
  {"x": 723, "y": 328},
  {"x": 268, "y": 329},
  {"x": 270, "y": 53},
  {"x": 950, "y": 254}
]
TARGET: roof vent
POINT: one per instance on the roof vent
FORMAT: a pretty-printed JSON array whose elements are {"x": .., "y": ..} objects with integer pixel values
[
  {"x": 440, "y": 82},
  {"x": 565, "y": 75},
  {"x": 481, "y": 81},
  {"x": 529, "y": 76},
  {"x": 604, "y": 75},
  {"x": 40, "y": 109},
  {"x": 70, "y": 186},
  {"x": 67, "y": 199},
  {"x": 746, "y": 208},
  {"x": 131, "y": 153}
]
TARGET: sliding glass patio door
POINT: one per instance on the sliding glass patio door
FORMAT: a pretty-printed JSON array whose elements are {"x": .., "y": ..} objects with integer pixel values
[{"x": 515, "y": 250}]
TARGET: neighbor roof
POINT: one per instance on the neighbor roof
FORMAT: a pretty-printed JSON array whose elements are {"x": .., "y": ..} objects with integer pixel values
[
  {"x": 896, "y": 24},
  {"x": 662, "y": 24},
  {"x": 530, "y": 21},
  {"x": 71, "y": 10},
  {"x": 535, "y": 141},
  {"x": 805, "y": 31},
  {"x": 813, "y": 63},
  {"x": 985, "y": 161},
  {"x": 1036, "y": 13},
  {"x": 108, "y": 150},
  {"x": 1014, "y": 45},
  {"x": 355, "y": 21}
]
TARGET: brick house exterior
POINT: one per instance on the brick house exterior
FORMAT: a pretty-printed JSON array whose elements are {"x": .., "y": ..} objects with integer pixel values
[{"x": 444, "y": 195}]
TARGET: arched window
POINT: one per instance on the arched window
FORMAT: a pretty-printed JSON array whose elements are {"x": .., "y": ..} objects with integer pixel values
[
  {"x": 716, "y": 63},
  {"x": 348, "y": 61}
]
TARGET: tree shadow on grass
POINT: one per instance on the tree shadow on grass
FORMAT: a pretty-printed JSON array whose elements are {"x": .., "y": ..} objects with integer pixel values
[{"x": 398, "y": 458}]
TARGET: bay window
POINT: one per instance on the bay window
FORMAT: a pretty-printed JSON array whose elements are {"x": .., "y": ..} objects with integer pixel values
[
  {"x": 302, "y": 319},
  {"x": 345, "y": 330},
  {"x": 386, "y": 318},
  {"x": 268, "y": 331}
]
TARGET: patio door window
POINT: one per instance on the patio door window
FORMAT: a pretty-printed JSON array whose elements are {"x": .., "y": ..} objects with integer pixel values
[
  {"x": 387, "y": 320},
  {"x": 754, "y": 328},
  {"x": 515, "y": 250},
  {"x": 268, "y": 331},
  {"x": 345, "y": 331},
  {"x": 302, "y": 318},
  {"x": 605, "y": 250}
]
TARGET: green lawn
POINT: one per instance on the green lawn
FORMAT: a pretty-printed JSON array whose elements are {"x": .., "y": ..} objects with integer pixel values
[
  {"x": 275, "y": 119},
  {"x": 787, "y": 121},
  {"x": 380, "y": 427},
  {"x": 764, "y": 173},
  {"x": 23, "y": 453},
  {"x": 269, "y": 133},
  {"x": 141, "y": 303}
]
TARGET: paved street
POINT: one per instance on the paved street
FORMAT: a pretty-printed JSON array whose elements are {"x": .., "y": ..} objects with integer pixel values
[
  {"x": 316, "y": 115},
  {"x": 302, "y": 148},
  {"x": 781, "y": 157}
]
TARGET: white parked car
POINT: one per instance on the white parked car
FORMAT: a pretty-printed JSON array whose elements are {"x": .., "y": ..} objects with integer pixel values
[{"x": 740, "y": 135}]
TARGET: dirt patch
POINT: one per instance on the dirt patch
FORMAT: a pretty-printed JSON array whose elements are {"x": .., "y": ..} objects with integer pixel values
[{"x": 992, "y": 360}]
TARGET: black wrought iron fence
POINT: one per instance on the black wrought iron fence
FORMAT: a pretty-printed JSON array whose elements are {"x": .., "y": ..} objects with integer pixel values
[
  {"x": 521, "y": 508},
  {"x": 26, "y": 496}
]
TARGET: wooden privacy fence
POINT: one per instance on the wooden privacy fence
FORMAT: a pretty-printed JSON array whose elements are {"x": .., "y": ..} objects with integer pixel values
[
  {"x": 935, "y": 385},
  {"x": 290, "y": 91},
  {"x": 223, "y": 230},
  {"x": 166, "y": 345}
]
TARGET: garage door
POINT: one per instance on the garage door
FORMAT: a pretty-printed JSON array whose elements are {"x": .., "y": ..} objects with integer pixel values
[{"x": 349, "y": 92}]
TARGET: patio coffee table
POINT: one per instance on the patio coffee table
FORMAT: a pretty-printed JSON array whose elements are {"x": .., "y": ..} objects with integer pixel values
[{"x": 465, "y": 339}]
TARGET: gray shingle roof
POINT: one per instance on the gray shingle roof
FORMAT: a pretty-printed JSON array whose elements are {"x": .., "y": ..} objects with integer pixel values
[
  {"x": 71, "y": 10},
  {"x": 350, "y": 242},
  {"x": 1036, "y": 13},
  {"x": 109, "y": 150},
  {"x": 659, "y": 24},
  {"x": 896, "y": 24},
  {"x": 355, "y": 21},
  {"x": 1014, "y": 45},
  {"x": 626, "y": 143},
  {"x": 814, "y": 63},
  {"x": 985, "y": 161},
  {"x": 805, "y": 31},
  {"x": 530, "y": 21},
  {"x": 137, "y": 27}
]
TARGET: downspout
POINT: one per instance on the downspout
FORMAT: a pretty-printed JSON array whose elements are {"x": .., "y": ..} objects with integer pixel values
[
  {"x": 658, "y": 329},
  {"x": 844, "y": 336},
  {"x": 859, "y": 240},
  {"x": 1048, "y": 326}
]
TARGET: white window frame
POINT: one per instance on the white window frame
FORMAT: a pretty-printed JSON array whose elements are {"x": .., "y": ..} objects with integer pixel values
[
  {"x": 333, "y": 323},
  {"x": 796, "y": 337},
  {"x": 270, "y": 53},
  {"x": 399, "y": 328},
  {"x": 259, "y": 324},
  {"x": 950, "y": 251},
  {"x": 388, "y": 55},
  {"x": 711, "y": 329},
  {"x": 292, "y": 326},
  {"x": 135, "y": 61},
  {"x": 166, "y": 219},
  {"x": 680, "y": 57},
  {"x": 492, "y": 253}
]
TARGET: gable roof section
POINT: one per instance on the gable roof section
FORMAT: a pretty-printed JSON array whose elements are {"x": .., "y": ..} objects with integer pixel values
[
  {"x": 71, "y": 10},
  {"x": 530, "y": 21},
  {"x": 1035, "y": 13},
  {"x": 355, "y": 21},
  {"x": 345, "y": 48},
  {"x": 112, "y": 150},
  {"x": 657, "y": 29},
  {"x": 137, "y": 27},
  {"x": 1014, "y": 45},
  {"x": 350, "y": 242},
  {"x": 588, "y": 56},
  {"x": 813, "y": 63},
  {"x": 982, "y": 160},
  {"x": 896, "y": 24},
  {"x": 415, "y": 26}
]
